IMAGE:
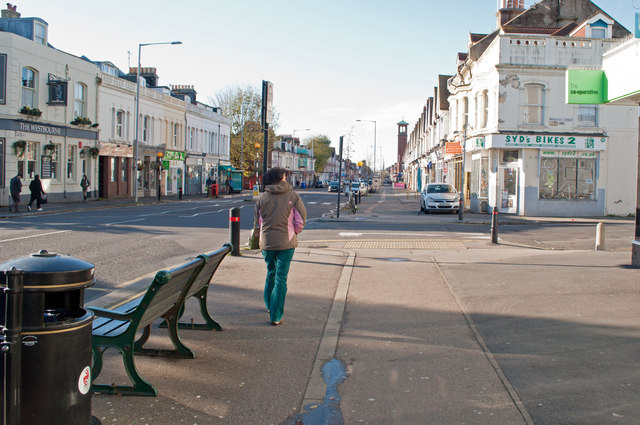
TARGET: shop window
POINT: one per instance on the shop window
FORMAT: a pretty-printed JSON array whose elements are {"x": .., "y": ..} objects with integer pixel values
[
  {"x": 533, "y": 108},
  {"x": 55, "y": 163},
  {"x": 123, "y": 169},
  {"x": 27, "y": 160},
  {"x": 29, "y": 88},
  {"x": 568, "y": 178},
  {"x": 71, "y": 163},
  {"x": 113, "y": 176},
  {"x": 509, "y": 156}
]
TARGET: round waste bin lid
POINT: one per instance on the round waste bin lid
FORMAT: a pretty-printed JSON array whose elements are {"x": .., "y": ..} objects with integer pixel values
[{"x": 53, "y": 272}]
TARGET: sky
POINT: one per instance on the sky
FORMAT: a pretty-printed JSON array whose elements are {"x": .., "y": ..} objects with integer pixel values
[{"x": 331, "y": 62}]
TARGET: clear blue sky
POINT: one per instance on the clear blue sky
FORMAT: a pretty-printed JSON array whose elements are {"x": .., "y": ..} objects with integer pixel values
[{"x": 331, "y": 62}]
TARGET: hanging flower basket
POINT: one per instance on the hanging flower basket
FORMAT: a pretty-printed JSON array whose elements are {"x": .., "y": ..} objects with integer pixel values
[
  {"x": 94, "y": 152},
  {"x": 19, "y": 147},
  {"x": 49, "y": 149}
]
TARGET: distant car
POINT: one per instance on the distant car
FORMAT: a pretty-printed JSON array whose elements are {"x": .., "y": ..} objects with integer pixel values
[
  {"x": 439, "y": 197},
  {"x": 333, "y": 186},
  {"x": 354, "y": 187},
  {"x": 319, "y": 184}
]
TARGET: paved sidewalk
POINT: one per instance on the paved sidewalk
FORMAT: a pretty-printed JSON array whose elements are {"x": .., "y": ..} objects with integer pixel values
[{"x": 477, "y": 335}]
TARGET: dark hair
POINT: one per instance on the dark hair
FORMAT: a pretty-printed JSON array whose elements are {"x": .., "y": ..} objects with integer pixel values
[
  {"x": 274, "y": 175},
  {"x": 36, "y": 177}
]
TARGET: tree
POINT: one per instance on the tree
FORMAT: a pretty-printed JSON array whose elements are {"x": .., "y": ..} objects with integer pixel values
[
  {"x": 322, "y": 150},
  {"x": 244, "y": 107}
]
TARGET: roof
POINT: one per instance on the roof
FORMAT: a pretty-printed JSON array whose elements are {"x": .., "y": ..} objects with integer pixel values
[{"x": 403, "y": 122}]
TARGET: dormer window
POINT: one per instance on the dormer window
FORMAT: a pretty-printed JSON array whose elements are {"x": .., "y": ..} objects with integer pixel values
[
  {"x": 598, "y": 26},
  {"x": 40, "y": 33}
]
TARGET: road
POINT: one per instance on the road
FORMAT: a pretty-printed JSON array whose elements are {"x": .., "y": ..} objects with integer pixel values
[{"x": 130, "y": 243}]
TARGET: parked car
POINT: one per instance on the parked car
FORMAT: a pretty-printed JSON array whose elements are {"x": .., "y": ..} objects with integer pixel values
[
  {"x": 333, "y": 186},
  {"x": 364, "y": 187},
  {"x": 439, "y": 197},
  {"x": 354, "y": 187}
]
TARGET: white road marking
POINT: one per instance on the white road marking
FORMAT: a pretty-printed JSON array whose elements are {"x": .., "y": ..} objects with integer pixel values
[
  {"x": 127, "y": 221},
  {"x": 349, "y": 235},
  {"x": 35, "y": 236}
]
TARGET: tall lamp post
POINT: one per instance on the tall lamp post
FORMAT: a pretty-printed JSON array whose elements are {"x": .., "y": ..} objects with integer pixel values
[
  {"x": 462, "y": 180},
  {"x": 134, "y": 183},
  {"x": 374, "y": 142},
  {"x": 294, "y": 139}
]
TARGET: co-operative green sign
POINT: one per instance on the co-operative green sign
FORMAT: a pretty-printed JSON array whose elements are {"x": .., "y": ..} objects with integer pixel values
[{"x": 586, "y": 86}]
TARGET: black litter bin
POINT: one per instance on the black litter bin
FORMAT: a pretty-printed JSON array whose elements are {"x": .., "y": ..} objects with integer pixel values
[{"x": 56, "y": 339}]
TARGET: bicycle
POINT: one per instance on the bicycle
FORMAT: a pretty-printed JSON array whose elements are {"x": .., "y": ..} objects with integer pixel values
[{"x": 352, "y": 203}]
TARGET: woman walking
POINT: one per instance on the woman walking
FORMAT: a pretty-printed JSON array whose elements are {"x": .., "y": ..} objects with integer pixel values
[
  {"x": 280, "y": 214},
  {"x": 35, "y": 187},
  {"x": 84, "y": 184}
]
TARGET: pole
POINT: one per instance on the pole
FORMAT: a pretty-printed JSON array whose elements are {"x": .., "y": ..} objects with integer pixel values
[
  {"x": 339, "y": 177},
  {"x": 234, "y": 230},
  {"x": 241, "y": 136},
  {"x": 12, "y": 347},
  {"x": 264, "y": 156},
  {"x": 494, "y": 216},
  {"x": 464, "y": 155},
  {"x": 134, "y": 175},
  {"x": 375, "y": 132},
  {"x": 635, "y": 247}
]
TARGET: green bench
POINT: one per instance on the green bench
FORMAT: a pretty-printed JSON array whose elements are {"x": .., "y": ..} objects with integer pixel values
[{"x": 165, "y": 298}]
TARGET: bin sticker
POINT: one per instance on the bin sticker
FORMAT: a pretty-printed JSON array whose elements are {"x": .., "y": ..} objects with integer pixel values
[
  {"x": 84, "y": 383},
  {"x": 29, "y": 340}
]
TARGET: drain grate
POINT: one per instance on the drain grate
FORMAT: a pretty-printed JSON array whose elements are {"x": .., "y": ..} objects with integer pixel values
[{"x": 409, "y": 244}]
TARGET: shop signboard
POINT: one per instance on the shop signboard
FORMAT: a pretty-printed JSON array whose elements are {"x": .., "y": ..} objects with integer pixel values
[
  {"x": 548, "y": 141},
  {"x": 452, "y": 148},
  {"x": 175, "y": 155},
  {"x": 586, "y": 86}
]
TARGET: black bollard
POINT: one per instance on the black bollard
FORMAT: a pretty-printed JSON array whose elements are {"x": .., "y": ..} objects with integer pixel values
[
  {"x": 179, "y": 193},
  {"x": 12, "y": 347},
  {"x": 234, "y": 230},
  {"x": 494, "y": 225},
  {"x": 359, "y": 197}
]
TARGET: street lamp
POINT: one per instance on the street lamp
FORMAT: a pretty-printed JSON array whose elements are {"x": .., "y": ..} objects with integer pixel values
[
  {"x": 134, "y": 183},
  {"x": 374, "y": 142}
]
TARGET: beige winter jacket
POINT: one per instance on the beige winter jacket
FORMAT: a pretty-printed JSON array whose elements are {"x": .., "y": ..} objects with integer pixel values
[{"x": 274, "y": 216}]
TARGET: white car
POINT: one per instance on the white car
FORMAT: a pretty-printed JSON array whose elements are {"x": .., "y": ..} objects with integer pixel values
[{"x": 439, "y": 197}]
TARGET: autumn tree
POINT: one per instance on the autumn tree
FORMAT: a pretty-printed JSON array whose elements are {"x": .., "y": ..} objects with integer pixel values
[
  {"x": 322, "y": 150},
  {"x": 244, "y": 107}
]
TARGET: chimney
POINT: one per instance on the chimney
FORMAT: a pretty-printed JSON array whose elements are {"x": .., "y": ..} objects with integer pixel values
[
  {"x": 509, "y": 9},
  {"x": 10, "y": 12},
  {"x": 183, "y": 92}
]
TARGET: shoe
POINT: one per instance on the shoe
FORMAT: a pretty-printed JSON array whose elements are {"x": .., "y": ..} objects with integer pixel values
[
  {"x": 276, "y": 323},
  {"x": 39, "y": 209},
  {"x": 28, "y": 208}
]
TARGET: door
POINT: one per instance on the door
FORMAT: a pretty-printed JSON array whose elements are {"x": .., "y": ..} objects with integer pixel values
[{"x": 508, "y": 190}]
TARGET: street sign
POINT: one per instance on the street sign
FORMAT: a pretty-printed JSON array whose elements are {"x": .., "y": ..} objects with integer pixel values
[{"x": 267, "y": 103}]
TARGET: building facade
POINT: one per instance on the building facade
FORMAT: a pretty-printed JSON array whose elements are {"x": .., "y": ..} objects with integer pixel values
[
  {"x": 47, "y": 111},
  {"x": 523, "y": 149}
]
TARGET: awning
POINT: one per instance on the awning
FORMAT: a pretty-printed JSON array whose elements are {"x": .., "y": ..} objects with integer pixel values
[{"x": 225, "y": 167}]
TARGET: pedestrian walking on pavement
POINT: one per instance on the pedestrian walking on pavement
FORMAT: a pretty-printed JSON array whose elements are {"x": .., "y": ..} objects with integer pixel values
[
  {"x": 84, "y": 184},
  {"x": 15, "y": 187},
  {"x": 281, "y": 215},
  {"x": 35, "y": 187}
]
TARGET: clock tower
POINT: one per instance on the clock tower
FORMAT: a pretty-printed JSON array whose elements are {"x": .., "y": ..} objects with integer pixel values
[{"x": 402, "y": 144}]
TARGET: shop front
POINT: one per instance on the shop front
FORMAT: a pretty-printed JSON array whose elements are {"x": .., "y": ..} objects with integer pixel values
[
  {"x": 60, "y": 155},
  {"x": 115, "y": 165},
  {"x": 173, "y": 165},
  {"x": 194, "y": 177},
  {"x": 553, "y": 175}
]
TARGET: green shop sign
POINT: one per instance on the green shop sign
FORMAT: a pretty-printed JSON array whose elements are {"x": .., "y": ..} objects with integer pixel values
[
  {"x": 586, "y": 86},
  {"x": 175, "y": 156}
]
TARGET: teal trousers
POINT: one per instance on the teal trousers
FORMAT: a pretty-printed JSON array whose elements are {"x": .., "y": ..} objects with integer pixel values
[{"x": 275, "y": 286}]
